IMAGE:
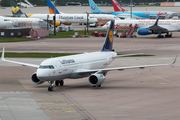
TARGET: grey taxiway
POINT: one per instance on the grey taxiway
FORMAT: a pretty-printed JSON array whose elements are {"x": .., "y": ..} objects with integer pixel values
[{"x": 148, "y": 94}]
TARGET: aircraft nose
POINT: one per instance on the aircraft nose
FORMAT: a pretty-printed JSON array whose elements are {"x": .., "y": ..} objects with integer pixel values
[
  {"x": 40, "y": 74},
  {"x": 43, "y": 74},
  {"x": 104, "y": 27}
]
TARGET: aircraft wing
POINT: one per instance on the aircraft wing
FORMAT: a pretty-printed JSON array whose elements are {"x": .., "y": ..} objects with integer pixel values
[
  {"x": 20, "y": 63},
  {"x": 156, "y": 28},
  {"x": 83, "y": 72}
]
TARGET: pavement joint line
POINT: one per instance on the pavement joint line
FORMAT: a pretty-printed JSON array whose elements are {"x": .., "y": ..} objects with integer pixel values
[
  {"x": 162, "y": 79},
  {"x": 38, "y": 109}
]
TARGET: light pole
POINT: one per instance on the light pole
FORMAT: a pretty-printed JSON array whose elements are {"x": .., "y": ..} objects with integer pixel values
[
  {"x": 131, "y": 8},
  {"x": 54, "y": 17},
  {"x": 87, "y": 21}
]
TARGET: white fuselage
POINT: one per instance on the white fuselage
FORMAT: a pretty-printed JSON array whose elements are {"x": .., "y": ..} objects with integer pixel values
[
  {"x": 160, "y": 12},
  {"x": 76, "y": 18},
  {"x": 68, "y": 67},
  {"x": 27, "y": 22},
  {"x": 104, "y": 17},
  {"x": 65, "y": 18},
  {"x": 5, "y": 22},
  {"x": 170, "y": 25}
]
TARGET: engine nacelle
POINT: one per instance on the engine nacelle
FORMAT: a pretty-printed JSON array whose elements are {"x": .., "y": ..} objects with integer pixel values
[
  {"x": 144, "y": 31},
  {"x": 96, "y": 79},
  {"x": 58, "y": 23},
  {"x": 67, "y": 23},
  {"x": 35, "y": 79}
]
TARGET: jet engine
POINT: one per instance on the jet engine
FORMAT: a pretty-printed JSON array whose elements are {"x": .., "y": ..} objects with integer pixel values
[
  {"x": 35, "y": 79},
  {"x": 144, "y": 31},
  {"x": 58, "y": 23},
  {"x": 67, "y": 23},
  {"x": 96, "y": 79}
]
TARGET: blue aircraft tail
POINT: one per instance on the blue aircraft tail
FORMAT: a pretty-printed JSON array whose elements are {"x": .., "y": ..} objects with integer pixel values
[
  {"x": 109, "y": 38},
  {"x": 156, "y": 23},
  {"x": 94, "y": 8},
  {"x": 52, "y": 8},
  {"x": 15, "y": 9}
]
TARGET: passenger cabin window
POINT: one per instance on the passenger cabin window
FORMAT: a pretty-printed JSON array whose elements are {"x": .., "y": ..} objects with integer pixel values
[{"x": 46, "y": 67}]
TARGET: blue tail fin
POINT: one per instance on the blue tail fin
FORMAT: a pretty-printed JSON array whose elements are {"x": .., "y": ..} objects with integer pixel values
[
  {"x": 52, "y": 8},
  {"x": 15, "y": 9},
  {"x": 156, "y": 23},
  {"x": 94, "y": 8},
  {"x": 109, "y": 38}
]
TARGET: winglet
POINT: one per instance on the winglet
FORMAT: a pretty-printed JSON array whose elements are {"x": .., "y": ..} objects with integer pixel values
[
  {"x": 109, "y": 38},
  {"x": 156, "y": 23},
  {"x": 2, "y": 56},
  {"x": 174, "y": 60}
]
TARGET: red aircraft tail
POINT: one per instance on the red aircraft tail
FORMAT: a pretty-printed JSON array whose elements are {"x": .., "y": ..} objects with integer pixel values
[{"x": 117, "y": 7}]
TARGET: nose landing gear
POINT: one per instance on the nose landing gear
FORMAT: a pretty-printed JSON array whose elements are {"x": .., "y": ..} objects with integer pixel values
[
  {"x": 57, "y": 83},
  {"x": 51, "y": 88}
]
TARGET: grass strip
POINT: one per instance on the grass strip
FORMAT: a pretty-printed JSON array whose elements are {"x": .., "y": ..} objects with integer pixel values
[
  {"x": 71, "y": 33},
  {"x": 49, "y": 55},
  {"x": 13, "y": 39},
  {"x": 36, "y": 55}
]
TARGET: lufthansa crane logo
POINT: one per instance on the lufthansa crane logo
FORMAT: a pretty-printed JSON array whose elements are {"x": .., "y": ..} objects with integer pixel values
[
  {"x": 15, "y": 10},
  {"x": 110, "y": 35}
]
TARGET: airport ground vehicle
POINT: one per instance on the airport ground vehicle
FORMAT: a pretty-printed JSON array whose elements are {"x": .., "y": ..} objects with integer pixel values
[
  {"x": 96, "y": 34},
  {"x": 123, "y": 35}
]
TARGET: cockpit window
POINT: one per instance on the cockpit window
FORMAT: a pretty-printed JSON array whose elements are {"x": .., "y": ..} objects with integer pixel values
[
  {"x": 46, "y": 67},
  {"x": 6, "y": 20},
  {"x": 107, "y": 23}
]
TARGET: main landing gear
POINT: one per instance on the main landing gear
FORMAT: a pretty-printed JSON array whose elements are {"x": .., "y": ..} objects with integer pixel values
[
  {"x": 57, "y": 83},
  {"x": 167, "y": 35}
]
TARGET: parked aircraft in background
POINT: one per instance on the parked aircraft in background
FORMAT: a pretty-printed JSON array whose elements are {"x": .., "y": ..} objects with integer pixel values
[
  {"x": 60, "y": 18},
  {"x": 147, "y": 27},
  {"x": 118, "y": 8},
  {"x": 123, "y": 15},
  {"x": 90, "y": 65},
  {"x": 103, "y": 18},
  {"x": 5, "y": 22},
  {"x": 21, "y": 22},
  {"x": 26, "y": 5}
]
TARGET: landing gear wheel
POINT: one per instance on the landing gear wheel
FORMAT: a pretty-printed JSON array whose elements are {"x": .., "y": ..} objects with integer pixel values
[
  {"x": 61, "y": 82},
  {"x": 50, "y": 88},
  {"x": 160, "y": 36},
  {"x": 57, "y": 82},
  {"x": 96, "y": 35},
  {"x": 99, "y": 85},
  {"x": 102, "y": 35}
]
